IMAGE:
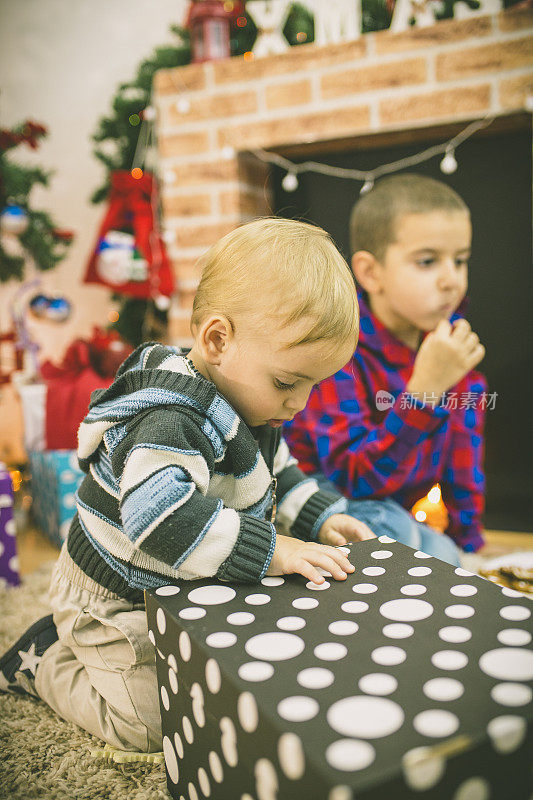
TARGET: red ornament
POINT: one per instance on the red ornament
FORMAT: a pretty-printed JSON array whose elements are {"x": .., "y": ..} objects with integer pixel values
[{"x": 209, "y": 24}]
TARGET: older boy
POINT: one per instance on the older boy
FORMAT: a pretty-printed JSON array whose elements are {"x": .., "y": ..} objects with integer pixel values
[
  {"x": 378, "y": 427},
  {"x": 184, "y": 462}
]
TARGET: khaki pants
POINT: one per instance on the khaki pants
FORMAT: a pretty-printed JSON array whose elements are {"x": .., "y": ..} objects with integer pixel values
[{"x": 101, "y": 673}]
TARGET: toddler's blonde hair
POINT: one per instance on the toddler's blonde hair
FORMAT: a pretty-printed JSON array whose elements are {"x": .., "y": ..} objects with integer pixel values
[{"x": 289, "y": 269}]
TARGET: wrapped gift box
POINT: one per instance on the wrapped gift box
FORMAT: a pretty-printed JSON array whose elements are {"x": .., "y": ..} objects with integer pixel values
[
  {"x": 55, "y": 477},
  {"x": 407, "y": 680},
  {"x": 9, "y": 573}
]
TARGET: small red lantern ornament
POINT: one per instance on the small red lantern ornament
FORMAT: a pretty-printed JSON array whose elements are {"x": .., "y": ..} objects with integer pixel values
[{"x": 208, "y": 22}]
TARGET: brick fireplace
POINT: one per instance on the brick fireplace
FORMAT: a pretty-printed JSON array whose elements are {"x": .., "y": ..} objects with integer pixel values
[{"x": 425, "y": 83}]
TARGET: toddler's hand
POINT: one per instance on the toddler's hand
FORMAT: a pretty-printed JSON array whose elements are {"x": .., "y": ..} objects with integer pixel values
[
  {"x": 341, "y": 528},
  {"x": 446, "y": 355},
  {"x": 294, "y": 555}
]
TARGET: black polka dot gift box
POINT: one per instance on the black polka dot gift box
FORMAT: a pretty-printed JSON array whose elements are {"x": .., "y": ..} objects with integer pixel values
[{"x": 410, "y": 679}]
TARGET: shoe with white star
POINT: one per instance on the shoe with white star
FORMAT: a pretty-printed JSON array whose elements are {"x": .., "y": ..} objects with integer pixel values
[{"x": 18, "y": 665}]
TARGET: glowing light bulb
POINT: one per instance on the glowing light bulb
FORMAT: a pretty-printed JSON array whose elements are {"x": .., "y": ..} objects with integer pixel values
[
  {"x": 162, "y": 302},
  {"x": 420, "y": 516},
  {"x": 149, "y": 113},
  {"x": 448, "y": 165},
  {"x": 183, "y": 105},
  {"x": 290, "y": 182}
]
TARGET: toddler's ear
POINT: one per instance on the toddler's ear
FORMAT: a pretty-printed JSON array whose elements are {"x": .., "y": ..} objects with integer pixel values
[
  {"x": 215, "y": 335},
  {"x": 367, "y": 271}
]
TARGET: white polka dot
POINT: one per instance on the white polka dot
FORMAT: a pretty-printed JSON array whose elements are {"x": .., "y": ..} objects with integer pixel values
[
  {"x": 378, "y": 683},
  {"x": 315, "y": 678},
  {"x": 305, "y": 602},
  {"x": 69, "y": 500},
  {"x": 381, "y": 554},
  {"x": 473, "y": 789},
  {"x": 373, "y": 571},
  {"x": 10, "y": 527},
  {"x": 354, "y": 606},
  {"x": 2, "y": 548},
  {"x": 212, "y": 676},
  {"x": 508, "y": 664},
  {"x": 436, "y": 723},
  {"x": 192, "y": 612},
  {"x": 203, "y": 782},
  {"x": 184, "y": 644},
  {"x": 291, "y": 756},
  {"x": 187, "y": 730},
  {"x": 178, "y": 744},
  {"x": 151, "y": 637},
  {"x": 171, "y": 761},
  {"x": 221, "y": 639},
  {"x": 343, "y": 627},
  {"x": 161, "y": 621},
  {"x": 317, "y": 587},
  {"x": 160, "y": 654},
  {"x": 191, "y": 788},
  {"x": 240, "y": 618},
  {"x": 298, "y": 708},
  {"x": 330, "y": 651},
  {"x": 364, "y": 588},
  {"x": 515, "y": 613},
  {"x": 272, "y": 581},
  {"x": 324, "y": 572},
  {"x": 349, "y": 754},
  {"x": 164, "y": 698},
  {"x": 345, "y": 550},
  {"x": 256, "y": 671},
  {"x": 421, "y": 554},
  {"x": 449, "y": 659},
  {"x": 173, "y": 681},
  {"x": 228, "y": 741},
  {"x": 464, "y": 573},
  {"x": 198, "y": 704},
  {"x": 511, "y": 694},
  {"x": 166, "y": 591},
  {"x": 366, "y": 717},
  {"x": 13, "y": 562},
  {"x": 290, "y": 623},
  {"x": 215, "y": 765},
  {"x": 6, "y": 500},
  {"x": 266, "y": 780},
  {"x": 398, "y": 630},
  {"x": 386, "y": 540},
  {"x": 340, "y": 792},
  {"x": 507, "y": 733},
  {"x": 512, "y": 592},
  {"x": 413, "y": 589},
  {"x": 404, "y": 610},
  {"x": 388, "y": 655},
  {"x": 443, "y": 689},
  {"x": 455, "y": 634},
  {"x": 247, "y": 712},
  {"x": 172, "y": 662},
  {"x": 257, "y": 599},
  {"x": 514, "y": 636},
  {"x": 422, "y": 768},
  {"x": 463, "y": 590},
  {"x": 274, "y": 646},
  {"x": 211, "y": 595},
  {"x": 459, "y": 612},
  {"x": 419, "y": 572}
]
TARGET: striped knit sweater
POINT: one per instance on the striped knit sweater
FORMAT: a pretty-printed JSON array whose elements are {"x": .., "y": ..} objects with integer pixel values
[{"x": 178, "y": 486}]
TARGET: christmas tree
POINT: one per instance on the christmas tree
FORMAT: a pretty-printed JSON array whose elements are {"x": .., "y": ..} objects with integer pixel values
[{"x": 35, "y": 230}]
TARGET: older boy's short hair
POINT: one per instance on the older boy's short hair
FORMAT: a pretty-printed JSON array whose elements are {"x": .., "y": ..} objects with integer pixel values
[
  {"x": 373, "y": 218},
  {"x": 290, "y": 269}
]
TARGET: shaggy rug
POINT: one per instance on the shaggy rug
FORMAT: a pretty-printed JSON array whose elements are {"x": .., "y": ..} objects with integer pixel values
[{"x": 41, "y": 756}]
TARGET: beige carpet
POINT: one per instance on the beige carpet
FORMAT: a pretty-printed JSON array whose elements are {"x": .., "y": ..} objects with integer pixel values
[{"x": 41, "y": 756}]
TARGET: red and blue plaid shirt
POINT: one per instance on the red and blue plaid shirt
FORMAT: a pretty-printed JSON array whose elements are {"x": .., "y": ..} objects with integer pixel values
[{"x": 404, "y": 449}]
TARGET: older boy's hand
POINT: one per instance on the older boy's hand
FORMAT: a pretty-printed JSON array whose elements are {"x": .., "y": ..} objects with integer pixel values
[
  {"x": 341, "y": 528},
  {"x": 294, "y": 555},
  {"x": 445, "y": 356}
]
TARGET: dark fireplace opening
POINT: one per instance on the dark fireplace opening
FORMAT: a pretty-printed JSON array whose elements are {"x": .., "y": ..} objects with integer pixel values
[{"x": 494, "y": 178}]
